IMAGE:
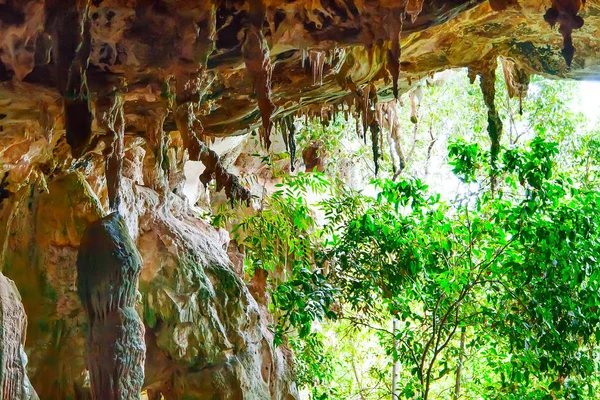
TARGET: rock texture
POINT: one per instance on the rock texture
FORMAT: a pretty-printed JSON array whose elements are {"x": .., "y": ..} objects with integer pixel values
[
  {"x": 14, "y": 383},
  {"x": 206, "y": 337},
  {"x": 102, "y": 102}
]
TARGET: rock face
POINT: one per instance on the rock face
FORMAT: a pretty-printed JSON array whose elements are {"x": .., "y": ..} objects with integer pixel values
[
  {"x": 206, "y": 337},
  {"x": 102, "y": 102},
  {"x": 14, "y": 383}
]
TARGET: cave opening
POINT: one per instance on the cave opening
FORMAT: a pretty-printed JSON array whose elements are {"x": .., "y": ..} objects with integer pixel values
[{"x": 335, "y": 199}]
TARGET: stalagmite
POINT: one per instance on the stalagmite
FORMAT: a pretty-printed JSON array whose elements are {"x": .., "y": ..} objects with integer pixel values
[
  {"x": 14, "y": 383},
  {"x": 108, "y": 267}
]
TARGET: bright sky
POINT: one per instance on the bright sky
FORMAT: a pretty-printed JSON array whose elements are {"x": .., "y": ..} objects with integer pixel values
[{"x": 590, "y": 100}]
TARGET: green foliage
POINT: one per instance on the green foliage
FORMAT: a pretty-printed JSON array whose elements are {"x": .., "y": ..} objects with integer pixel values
[
  {"x": 465, "y": 158},
  {"x": 514, "y": 268},
  {"x": 301, "y": 300},
  {"x": 519, "y": 272},
  {"x": 282, "y": 237},
  {"x": 314, "y": 365}
]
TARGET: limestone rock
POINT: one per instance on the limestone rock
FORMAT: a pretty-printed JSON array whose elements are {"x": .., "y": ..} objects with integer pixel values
[
  {"x": 108, "y": 267},
  {"x": 14, "y": 383}
]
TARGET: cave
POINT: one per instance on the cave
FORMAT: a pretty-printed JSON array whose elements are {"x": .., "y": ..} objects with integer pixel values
[{"x": 112, "y": 114}]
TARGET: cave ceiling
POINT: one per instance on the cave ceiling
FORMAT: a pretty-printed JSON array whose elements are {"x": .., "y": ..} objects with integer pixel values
[{"x": 222, "y": 68}]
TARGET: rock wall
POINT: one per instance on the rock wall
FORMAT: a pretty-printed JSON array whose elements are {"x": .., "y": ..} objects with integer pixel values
[
  {"x": 206, "y": 337},
  {"x": 14, "y": 383}
]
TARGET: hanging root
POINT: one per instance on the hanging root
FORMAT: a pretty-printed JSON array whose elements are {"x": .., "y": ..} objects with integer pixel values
[
  {"x": 291, "y": 140},
  {"x": 70, "y": 29}
]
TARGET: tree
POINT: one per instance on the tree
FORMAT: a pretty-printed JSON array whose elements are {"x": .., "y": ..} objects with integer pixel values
[{"x": 505, "y": 282}]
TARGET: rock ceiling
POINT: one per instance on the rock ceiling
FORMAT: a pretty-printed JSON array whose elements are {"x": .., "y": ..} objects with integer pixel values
[{"x": 97, "y": 69}]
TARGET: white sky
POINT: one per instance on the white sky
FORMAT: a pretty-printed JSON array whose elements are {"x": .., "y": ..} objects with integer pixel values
[{"x": 590, "y": 100}]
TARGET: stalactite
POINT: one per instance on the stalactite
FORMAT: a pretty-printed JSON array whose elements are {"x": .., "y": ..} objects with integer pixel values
[
  {"x": 304, "y": 56},
  {"x": 501, "y": 5},
  {"x": 317, "y": 63},
  {"x": 284, "y": 132},
  {"x": 388, "y": 122},
  {"x": 343, "y": 74},
  {"x": 157, "y": 141},
  {"x": 375, "y": 133},
  {"x": 396, "y": 144},
  {"x": 413, "y": 8},
  {"x": 204, "y": 43},
  {"x": 191, "y": 87},
  {"x": 564, "y": 13},
  {"x": 368, "y": 103},
  {"x": 487, "y": 74},
  {"x": 188, "y": 124},
  {"x": 108, "y": 267},
  {"x": 109, "y": 109},
  {"x": 395, "y": 21},
  {"x": 358, "y": 125},
  {"x": 415, "y": 96},
  {"x": 70, "y": 27},
  {"x": 258, "y": 63}
]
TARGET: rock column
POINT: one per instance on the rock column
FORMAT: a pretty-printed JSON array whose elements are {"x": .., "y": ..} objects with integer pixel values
[{"x": 108, "y": 267}]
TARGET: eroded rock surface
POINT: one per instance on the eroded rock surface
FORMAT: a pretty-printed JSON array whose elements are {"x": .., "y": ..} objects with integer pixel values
[
  {"x": 206, "y": 337},
  {"x": 14, "y": 383}
]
